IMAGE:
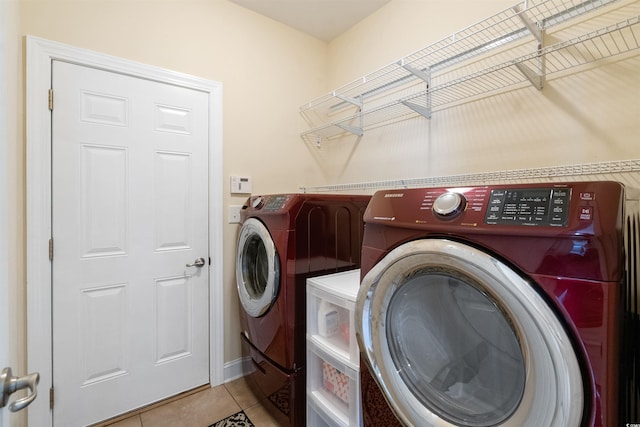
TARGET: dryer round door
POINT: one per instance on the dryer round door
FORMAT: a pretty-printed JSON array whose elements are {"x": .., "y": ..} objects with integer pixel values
[
  {"x": 454, "y": 337},
  {"x": 257, "y": 268}
]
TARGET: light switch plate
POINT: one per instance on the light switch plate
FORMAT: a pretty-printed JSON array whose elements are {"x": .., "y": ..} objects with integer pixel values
[{"x": 234, "y": 214}]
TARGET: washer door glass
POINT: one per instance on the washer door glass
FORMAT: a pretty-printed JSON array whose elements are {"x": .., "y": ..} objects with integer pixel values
[
  {"x": 455, "y": 337},
  {"x": 257, "y": 268},
  {"x": 454, "y": 348}
]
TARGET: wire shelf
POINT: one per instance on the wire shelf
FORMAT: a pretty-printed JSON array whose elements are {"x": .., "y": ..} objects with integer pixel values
[
  {"x": 600, "y": 44},
  {"x": 617, "y": 170},
  {"x": 352, "y": 109}
]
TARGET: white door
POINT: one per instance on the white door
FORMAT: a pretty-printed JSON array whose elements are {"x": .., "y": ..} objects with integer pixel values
[{"x": 129, "y": 212}]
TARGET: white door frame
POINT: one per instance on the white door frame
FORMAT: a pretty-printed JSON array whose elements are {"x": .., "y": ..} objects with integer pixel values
[
  {"x": 40, "y": 53},
  {"x": 4, "y": 220}
]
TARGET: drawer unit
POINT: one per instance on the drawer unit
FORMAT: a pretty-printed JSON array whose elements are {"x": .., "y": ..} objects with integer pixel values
[
  {"x": 330, "y": 313},
  {"x": 333, "y": 388},
  {"x": 333, "y": 360}
]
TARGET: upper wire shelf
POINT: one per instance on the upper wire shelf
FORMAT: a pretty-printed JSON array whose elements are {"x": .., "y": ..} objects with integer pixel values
[{"x": 424, "y": 82}]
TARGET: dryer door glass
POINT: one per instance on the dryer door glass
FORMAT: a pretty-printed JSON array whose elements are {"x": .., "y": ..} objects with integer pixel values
[
  {"x": 456, "y": 337},
  {"x": 257, "y": 268},
  {"x": 454, "y": 348}
]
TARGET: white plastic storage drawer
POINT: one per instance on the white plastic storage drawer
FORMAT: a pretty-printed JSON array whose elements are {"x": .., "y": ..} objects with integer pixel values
[
  {"x": 330, "y": 313},
  {"x": 318, "y": 416},
  {"x": 333, "y": 387}
]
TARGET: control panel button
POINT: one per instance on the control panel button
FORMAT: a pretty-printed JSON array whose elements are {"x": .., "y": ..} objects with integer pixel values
[
  {"x": 586, "y": 213},
  {"x": 449, "y": 205}
]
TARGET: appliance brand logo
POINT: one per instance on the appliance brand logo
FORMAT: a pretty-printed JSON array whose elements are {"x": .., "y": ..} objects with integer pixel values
[{"x": 388, "y": 195}]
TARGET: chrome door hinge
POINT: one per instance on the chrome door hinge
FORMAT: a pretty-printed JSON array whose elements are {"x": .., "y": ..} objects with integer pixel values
[
  {"x": 51, "y": 398},
  {"x": 50, "y": 99},
  {"x": 50, "y": 249}
]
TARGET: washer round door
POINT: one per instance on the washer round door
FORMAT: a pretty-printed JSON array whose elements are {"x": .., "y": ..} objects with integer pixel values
[
  {"x": 454, "y": 337},
  {"x": 257, "y": 268}
]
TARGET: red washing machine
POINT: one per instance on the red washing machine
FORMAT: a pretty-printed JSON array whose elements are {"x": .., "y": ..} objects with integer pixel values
[
  {"x": 284, "y": 239},
  {"x": 505, "y": 305}
]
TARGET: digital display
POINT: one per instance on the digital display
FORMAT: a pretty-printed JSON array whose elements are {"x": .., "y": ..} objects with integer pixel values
[{"x": 539, "y": 206}]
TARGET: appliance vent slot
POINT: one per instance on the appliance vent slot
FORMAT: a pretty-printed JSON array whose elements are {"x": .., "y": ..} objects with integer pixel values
[{"x": 630, "y": 366}]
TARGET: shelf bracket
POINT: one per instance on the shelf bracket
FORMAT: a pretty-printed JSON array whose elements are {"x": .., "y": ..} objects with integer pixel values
[
  {"x": 531, "y": 26},
  {"x": 421, "y": 74},
  {"x": 420, "y": 109},
  {"x": 535, "y": 78},
  {"x": 352, "y": 129},
  {"x": 354, "y": 101},
  {"x": 424, "y": 75}
]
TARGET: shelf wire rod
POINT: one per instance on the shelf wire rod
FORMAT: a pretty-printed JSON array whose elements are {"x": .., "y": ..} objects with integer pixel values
[
  {"x": 565, "y": 59},
  {"x": 614, "y": 41}
]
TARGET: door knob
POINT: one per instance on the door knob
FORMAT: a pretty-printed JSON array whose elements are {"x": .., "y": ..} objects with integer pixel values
[
  {"x": 10, "y": 384},
  {"x": 197, "y": 263}
]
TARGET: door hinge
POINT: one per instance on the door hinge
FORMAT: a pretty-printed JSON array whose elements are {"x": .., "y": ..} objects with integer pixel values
[
  {"x": 50, "y": 99},
  {"x": 50, "y": 249},
  {"x": 51, "y": 398}
]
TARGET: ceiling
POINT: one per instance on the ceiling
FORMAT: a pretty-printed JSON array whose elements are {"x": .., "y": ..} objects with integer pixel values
[{"x": 324, "y": 19}]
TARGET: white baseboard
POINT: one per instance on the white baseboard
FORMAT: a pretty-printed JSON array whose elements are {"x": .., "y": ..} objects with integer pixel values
[{"x": 237, "y": 368}]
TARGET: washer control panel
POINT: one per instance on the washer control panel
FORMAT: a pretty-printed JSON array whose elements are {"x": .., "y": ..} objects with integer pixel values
[{"x": 529, "y": 206}]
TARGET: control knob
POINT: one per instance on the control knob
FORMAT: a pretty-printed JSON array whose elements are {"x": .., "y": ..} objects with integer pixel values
[
  {"x": 449, "y": 205},
  {"x": 257, "y": 202}
]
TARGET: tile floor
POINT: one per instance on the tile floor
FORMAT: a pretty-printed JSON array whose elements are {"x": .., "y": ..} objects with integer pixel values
[{"x": 201, "y": 409}]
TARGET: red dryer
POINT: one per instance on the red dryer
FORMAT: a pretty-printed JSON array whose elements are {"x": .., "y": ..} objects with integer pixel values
[
  {"x": 284, "y": 239},
  {"x": 500, "y": 305}
]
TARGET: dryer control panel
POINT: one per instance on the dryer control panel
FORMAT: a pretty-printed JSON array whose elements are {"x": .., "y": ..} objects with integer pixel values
[
  {"x": 270, "y": 203},
  {"x": 529, "y": 206}
]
